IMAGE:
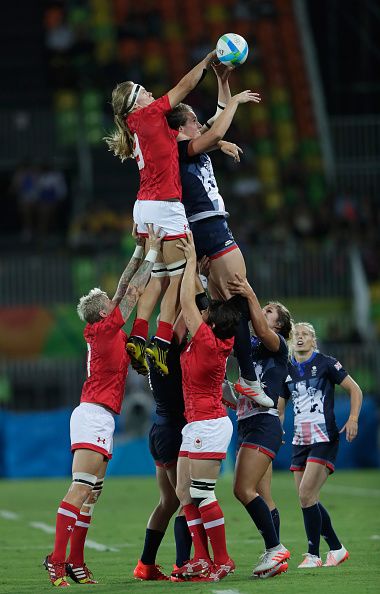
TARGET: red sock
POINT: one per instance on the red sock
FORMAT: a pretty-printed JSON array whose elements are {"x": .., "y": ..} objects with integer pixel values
[
  {"x": 197, "y": 531},
  {"x": 78, "y": 539},
  {"x": 213, "y": 522},
  {"x": 140, "y": 328},
  {"x": 66, "y": 518},
  {"x": 165, "y": 331}
]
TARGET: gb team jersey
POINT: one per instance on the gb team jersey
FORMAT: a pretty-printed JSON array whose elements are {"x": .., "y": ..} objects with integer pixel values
[
  {"x": 155, "y": 151},
  {"x": 200, "y": 193},
  {"x": 167, "y": 389},
  {"x": 311, "y": 386},
  {"x": 203, "y": 365},
  {"x": 107, "y": 362},
  {"x": 271, "y": 369}
]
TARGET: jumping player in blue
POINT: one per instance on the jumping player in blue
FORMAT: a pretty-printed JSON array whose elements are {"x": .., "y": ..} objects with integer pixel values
[
  {"x": 310, "y": 383},
  {"x": 165, "y": 440},
  {"x": 259, "y": 428}
]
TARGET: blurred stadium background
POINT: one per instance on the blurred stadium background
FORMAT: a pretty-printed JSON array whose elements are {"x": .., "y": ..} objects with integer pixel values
[{"x": 304, "y": 203}]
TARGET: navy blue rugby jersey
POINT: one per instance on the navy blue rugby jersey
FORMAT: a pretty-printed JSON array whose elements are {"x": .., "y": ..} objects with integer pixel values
[
  {"x": 271, "y": 369},
  {"x": 167, "y": 389},
  {"x": 200, "y": 193},
  {"x": 311, "y": 385}
]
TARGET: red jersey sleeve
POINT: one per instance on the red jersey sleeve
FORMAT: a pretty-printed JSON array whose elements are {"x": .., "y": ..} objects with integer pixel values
[{"x": 107, "y": 328}]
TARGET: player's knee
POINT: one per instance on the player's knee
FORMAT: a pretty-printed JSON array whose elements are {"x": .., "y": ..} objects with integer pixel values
[
  {"x": 244, "y": 493},
  {"x": 169, "y": 502},
  {"x": 96, "y": 492},
  {"x": 202, "y": 491},
  {"x": 175, "y": 269},
  {"x": 82, "y": 485},
  {"x": 159, "y": 271},
  {"x": 306, "y": 496}
]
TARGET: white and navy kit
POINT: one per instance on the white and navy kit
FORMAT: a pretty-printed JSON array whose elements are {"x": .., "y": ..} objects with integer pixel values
[
  {"x": 204, "y": 206},
  {"x": 165, "y": 436},
  {"x": 260, "y": 427},
  {"x": 311, "y": 385}
]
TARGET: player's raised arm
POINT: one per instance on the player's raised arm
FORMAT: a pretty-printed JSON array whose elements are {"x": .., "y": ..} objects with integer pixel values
[
  {"x": 190, "y": 312},
  {"x": 190, "y": 80},
  {"x": 131, "y": 267}
]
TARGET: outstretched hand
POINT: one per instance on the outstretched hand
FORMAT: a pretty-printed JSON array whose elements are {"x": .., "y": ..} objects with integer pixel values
[
  {"x": 246, "y": 97},
  {"x": 154, "y": 237},
  {"x": 187, "y": 246},
  {"x": 221, "y": 70},
  {"x": 240, "y": 286},
  {"x": 231, "y": 149},
  {"x": 140, "y": 240},
  {"x": 351, "y": 429}
]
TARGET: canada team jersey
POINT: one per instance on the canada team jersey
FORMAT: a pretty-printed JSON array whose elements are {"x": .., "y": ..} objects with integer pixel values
[
  {"x": 311, "y": 386},
  {"x": 203, "y": 365},
  {"x": 167, "y": 389},
  {"x": 107, "y": 362},
  {"x": 200, "y": 193},
  {"x": 271, "y": 369},
  {"x": 156, "y": 152}
]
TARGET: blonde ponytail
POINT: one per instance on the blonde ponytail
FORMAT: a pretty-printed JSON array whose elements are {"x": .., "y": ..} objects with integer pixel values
[{"x": 120, "y": 141}]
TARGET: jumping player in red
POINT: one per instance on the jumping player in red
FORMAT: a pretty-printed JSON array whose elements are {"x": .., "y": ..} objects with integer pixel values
[
  {"x": 208, "y": 432},
  {"x": 143, "y": 134},
  {"x": 92, "y": 423}
]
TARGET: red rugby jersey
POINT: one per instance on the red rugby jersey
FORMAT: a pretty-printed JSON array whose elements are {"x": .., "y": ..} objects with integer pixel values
[
  {"x": 107, "y": 362},
  {"x": 156, "y": 151},
  {"x": 203, "y": 365}
]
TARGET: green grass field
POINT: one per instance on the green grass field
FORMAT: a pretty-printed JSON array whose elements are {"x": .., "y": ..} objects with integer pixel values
[{"x": 27, "y": 510}]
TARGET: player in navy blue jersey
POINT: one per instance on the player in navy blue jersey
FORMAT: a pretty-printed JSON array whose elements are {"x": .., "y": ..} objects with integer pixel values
[
  {"x": 165, "y": 440},
  {"x": 259, "y": 428},
  {"x": 206, "y": 213},
  {"x": 310, "y": 382}
]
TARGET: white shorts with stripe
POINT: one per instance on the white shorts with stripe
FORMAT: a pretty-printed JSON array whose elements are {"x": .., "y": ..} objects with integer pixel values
[
  {"x": 91, "y": 428},
  {"x": 170, "y": 216},
  {"x": 206, "y": 440}
]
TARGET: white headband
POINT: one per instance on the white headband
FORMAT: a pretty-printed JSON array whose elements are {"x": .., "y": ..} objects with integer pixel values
[{"x": 133, "y": 97}]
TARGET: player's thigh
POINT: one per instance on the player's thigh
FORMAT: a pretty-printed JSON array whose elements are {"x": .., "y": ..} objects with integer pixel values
[
  {"x": 172, "y": 475},
  {"x": 251, "y": 466},
  {"x": 314, "y": 477},
  {"x": 183, "y": 480},
  {"x": 167, "y": 491},
  {"x": 206, "y": 469},
  {"x": 298, "y": 476},
  {"x": 88, "y": 461},
  {"x": 171, "y": 253},
  {"x": 224, "y": 268}
]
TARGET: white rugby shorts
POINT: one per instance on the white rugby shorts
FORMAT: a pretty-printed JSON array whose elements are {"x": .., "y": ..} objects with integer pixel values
[
  {"x": 170, "y": 216},
  {"x": 206, "y": 440},
  {"x": 92, "y": 428}
]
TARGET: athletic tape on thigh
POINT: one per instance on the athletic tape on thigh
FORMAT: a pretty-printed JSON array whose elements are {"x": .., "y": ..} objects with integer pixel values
[
  {"x": 203, "y": 489},
  {"x": 159, "y": 270},
  {"x": 176, "y": 267},
  {"x": 84, "y": 478}
]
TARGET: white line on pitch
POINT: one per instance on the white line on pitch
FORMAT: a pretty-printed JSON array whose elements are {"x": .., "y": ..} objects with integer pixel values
[
  {"x": 91, "y": 544},
  {"x": 8, "y": 515}
]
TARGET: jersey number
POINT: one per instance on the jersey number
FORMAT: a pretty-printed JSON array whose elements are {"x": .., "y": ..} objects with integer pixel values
[{"x": 137, "y": 153}]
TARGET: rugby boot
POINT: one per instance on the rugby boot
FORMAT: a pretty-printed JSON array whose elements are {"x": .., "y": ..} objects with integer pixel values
[
  {"x": 146, "y": 572},
  {"x": 57, "y": 573},
  {"x": 277, "y": 570},
  {"x": 270, "y": 559},
  {"x": 136, "y": 350},
  {"x": 157, "y": 351},
  {"x": 228, "y": 395},
  {"x": 194, "y": 567},
  {"x": 337, "y": 557},
  {"x": 218, "y": 572},
  {"x": 310, "y": 561},
  {"x": 254, "y": 390},
  {"x": 80, "y": 574}
]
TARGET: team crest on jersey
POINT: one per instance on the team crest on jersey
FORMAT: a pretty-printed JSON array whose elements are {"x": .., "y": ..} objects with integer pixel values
[
  {"x": 198, "y": 443},
  {"x": 338, "y": 366},
  {"x": 313, "y": 371},
  {"x": 288, "y": 379}
]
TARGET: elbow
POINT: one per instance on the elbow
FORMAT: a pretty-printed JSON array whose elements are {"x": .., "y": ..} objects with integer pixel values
[{"x": 215, "y": 137}]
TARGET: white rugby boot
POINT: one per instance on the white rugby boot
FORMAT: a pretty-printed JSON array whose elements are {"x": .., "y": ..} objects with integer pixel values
[
  {"x": 254, "y": 391},
  {"x": 270, "y": 560},
  {"x": 337, "y": 557},
  {"x": 310, "y": 561}
]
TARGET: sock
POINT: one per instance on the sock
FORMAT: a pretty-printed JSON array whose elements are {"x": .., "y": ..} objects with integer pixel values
[
  {"x": 327, "y": 530},
  {"x": 165, "y": 331},
  {"x": 78, "y": 539},
  {"x": 153, "y": 540},
  {"x": 197, "y": 531},
  {"x": 313, "y": 524},
  {"x": 182, "y": 540},
  {"x": 260, "y": 514},
  {"x": 243, "y": 350},
  {"x": 213, "y": 522},
  {"x": 140, "y": 329},
  {"x": 67, "y": 515},
  {"x": 276, "y": 521}
]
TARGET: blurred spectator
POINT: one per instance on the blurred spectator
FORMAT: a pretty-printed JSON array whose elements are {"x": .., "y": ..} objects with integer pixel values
[
  {"x": 51, "y": 191},
  {"x": 24, "y": 186}
]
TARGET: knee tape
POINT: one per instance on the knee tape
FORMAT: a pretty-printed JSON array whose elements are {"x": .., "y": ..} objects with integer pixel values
[
  {"x": 84, "y": 478},
  {"x": 176, "y": 268},
  {"x": 159, "y": 270},
  {"x": 202, "y": 491}
]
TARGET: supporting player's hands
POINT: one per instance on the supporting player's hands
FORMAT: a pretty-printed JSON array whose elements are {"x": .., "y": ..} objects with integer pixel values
[
  {"x": 231, "y": 149},
  {"x": 204, "y": 266},
  {"x": 187, "y": 246},
  {"x": 138, "y": 238},
  {"x": 221, "y": 70},
  {"x": 240, "y": 286},
  {"x": 246, "y": 97},
  {"x": 154, "y": 237},
  {"x": 351, "y": 429},
  {"x": 211, "y": 57}
]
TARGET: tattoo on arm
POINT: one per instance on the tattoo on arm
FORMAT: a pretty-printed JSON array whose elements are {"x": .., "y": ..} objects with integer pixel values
[
  {"x": 129, "y": 271},
  {"x": 135, "y": 289}
]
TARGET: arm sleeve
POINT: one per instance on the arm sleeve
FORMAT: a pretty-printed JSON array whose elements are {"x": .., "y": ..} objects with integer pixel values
[
  {"x": 182, "y": 151},
  {"x": 336, "y": 371}
]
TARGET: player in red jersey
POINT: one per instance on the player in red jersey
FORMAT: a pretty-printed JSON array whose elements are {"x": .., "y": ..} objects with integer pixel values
[
  {"x": 92, "y": 423},
  {"x": 143, "y": 133},
  {"x": 208, "y": 432}
]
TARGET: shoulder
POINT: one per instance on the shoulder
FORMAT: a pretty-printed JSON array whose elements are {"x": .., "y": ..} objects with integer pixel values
[{"x": 283, "y": 349}]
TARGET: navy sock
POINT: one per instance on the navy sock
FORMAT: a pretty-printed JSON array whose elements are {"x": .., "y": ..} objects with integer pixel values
[
  {"x": 313, "y": 525},
  {"x": 260, "y": 514},
  {"x": 153, "y": 540},
  {"x": 243, "y": 350},
  {"x": 327, "y": 531},
  {"x": 183, "y": 540},
  {"x": 276, "y": 521}
]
